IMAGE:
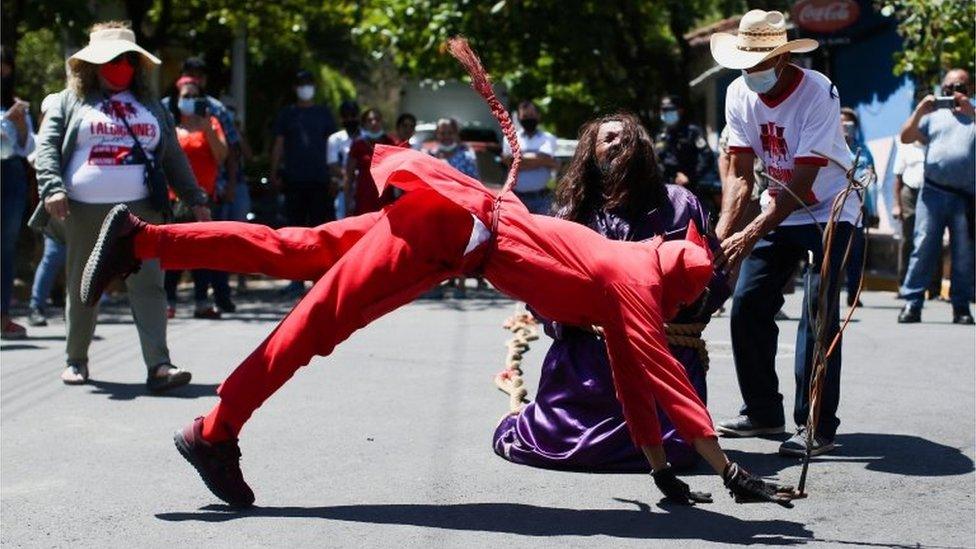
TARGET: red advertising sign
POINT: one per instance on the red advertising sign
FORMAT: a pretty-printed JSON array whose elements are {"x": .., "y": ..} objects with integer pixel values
[{"x": 825, "y": 16}]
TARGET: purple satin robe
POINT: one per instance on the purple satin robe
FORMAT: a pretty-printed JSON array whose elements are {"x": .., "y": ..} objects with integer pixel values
[{"x": 575, "y": 422}]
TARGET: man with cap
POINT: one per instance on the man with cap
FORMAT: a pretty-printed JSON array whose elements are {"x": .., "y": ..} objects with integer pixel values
[
  {"x": 788, "y": 117},
  {"x": 683, "y": 153}
]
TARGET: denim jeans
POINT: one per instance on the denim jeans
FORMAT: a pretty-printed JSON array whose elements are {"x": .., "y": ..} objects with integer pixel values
[
  {"x": 51, "y": 265},
  {"x": 935, "y": 211},
  {"x": 537, "y": 203},
  {"x": 758, "y": 296},
  {"x": 14, "y": 195}
]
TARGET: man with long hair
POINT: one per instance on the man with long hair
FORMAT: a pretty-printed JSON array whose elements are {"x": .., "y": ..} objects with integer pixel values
[
  {"x": 447, "y": 224},
  {"x": 613, "y": 186}
]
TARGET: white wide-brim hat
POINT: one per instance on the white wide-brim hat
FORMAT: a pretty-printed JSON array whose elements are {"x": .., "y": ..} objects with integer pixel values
[
  {"x": 762, "y": 35},
  {"x": 106, "y": 44}
]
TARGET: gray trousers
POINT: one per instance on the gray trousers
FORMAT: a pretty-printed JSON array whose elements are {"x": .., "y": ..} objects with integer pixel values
[{"x": 147, "y": 298}]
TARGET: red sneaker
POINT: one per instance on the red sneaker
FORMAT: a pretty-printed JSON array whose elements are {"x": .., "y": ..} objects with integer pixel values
[
  {"x": 12, "y": 330},
  {"x": 218, "y": 464}
]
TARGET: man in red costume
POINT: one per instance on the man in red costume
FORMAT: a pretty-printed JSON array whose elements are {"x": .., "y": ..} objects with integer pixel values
[{"x": 446, "y": 225}]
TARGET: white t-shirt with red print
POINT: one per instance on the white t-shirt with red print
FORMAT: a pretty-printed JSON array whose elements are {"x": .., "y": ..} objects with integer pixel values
[
  {"x": 99, "y": 172},
  {"x": 786, "y": 132}
]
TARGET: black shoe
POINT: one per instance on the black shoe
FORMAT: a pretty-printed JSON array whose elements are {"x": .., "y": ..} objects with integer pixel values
[
  {"x": 218, "y": 463},
  {"x": 744, "y": 426},
  {"x": 796, "y": 445},
  {"x": 851, "y": 302},
  {"x": 35, "y": 317},
  {"x": 746, "y": 488},
  {"x": 114, "y": 254},
  {"x": 910, "y": 314},
  {"x": 225, "y": 304},
  {"x": 175, "y": 377},
  {"x": 961, "y": 315}
]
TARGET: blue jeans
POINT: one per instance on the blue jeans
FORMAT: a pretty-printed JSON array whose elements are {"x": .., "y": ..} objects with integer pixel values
[
  {"x": 13, "y": 185},
  {"x": 935, "y": 211},
  {"x": 537, "y": 203},
  {"x": 758, "y": 296},
  {"x": 52, "y": 264}
]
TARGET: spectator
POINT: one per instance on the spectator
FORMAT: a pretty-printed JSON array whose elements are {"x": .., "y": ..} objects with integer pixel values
[
  {"x": 17, "y": 135},
  {"x": 406, "y": 126},
  {"x": 339, "y": 143},
  {"x": 87, "y": 162},
  {"x": 684, "y": 154},
  {"x": 229, "y": 175},
  {"x": 52, "y": 260},
  {"x": 863, "y": 172},
  {"x": 236, "y": 205},
  {"x": 538, "y": 160},
  {"x": 361, "y": 194},
  {"x": 299, "y": 166},
  {"x": 946, "y": 199},
  {"x": 909, "y": 176},
  {"x": 790, "y": 117},
  {"x": 202, "y": 139}
]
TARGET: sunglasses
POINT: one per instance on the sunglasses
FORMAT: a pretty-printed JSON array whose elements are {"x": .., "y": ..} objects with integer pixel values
[{"x": 953, "y": 88}]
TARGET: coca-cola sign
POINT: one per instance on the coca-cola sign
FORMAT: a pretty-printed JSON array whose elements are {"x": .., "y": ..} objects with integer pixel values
[{"x": 825, "y": 16}]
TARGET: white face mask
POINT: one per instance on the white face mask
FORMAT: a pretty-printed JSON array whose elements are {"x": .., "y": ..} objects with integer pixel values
[
  {"x": 305, "y": 92},
  {"x": 761, "y": 81},
  {"x": 448, "y": 148}
]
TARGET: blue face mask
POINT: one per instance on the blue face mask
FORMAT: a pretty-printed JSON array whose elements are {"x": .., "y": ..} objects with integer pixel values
[
  {"x": 372, "y": 135},
  {"x": 187, "y": 105},
  {"x": 761, "y": 81},
  {"x": 669, "y": 117}
]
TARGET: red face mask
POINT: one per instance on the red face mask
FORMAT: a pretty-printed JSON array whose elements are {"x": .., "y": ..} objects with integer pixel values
[{"x": 117, "y": 73}]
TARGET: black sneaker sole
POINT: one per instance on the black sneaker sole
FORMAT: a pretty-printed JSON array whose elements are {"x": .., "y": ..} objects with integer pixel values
[
  {"x": 739, "y": 433},
  {"x": 801, "y": 452},
  {"x": 96, "y": 260},
  {"x": 184, "y": 449}
]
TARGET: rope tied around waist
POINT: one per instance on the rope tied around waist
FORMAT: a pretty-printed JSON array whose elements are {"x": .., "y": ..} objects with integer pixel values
[{"x": 688, "y": 335}]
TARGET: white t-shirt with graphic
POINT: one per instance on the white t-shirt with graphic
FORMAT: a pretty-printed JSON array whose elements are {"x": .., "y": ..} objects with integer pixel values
[
  {"x": 99, "y": 171},
  {"x": 786, "y": 132}
]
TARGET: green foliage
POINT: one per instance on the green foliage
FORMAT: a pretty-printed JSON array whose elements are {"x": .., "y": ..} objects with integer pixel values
[
  {"x": 937, "y": 34},
  {"x": 40, "y": 67}
]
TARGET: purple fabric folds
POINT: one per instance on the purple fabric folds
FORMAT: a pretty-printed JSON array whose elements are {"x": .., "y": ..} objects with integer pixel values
[{"x": 575, "y": 422}]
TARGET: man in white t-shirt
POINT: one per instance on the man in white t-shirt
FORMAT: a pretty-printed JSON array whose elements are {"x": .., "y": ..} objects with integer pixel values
[
  {"x": 337, "y": 149},
  {"x": 538, "y": 160},
  {"x": 789, "y": 118},
  {"x": 909, "y": 177}
]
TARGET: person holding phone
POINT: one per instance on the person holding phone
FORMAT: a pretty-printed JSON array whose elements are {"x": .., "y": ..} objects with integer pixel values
[
  {"x": 202, "y": 139},
  {"x": 944, "y": 125}
]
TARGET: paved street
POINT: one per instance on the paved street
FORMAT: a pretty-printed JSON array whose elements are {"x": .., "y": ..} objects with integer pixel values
[{"x": 387, "y": 444}]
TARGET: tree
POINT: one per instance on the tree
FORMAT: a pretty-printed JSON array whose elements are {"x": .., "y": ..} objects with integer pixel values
[{"x": 937, "y": 34}]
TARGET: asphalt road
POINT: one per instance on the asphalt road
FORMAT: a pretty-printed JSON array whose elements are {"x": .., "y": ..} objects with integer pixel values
[{"x": 387, "y": 444}]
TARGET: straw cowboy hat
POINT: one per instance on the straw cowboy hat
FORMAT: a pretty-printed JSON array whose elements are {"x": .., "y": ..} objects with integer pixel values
[
  {"x": 104, "y": 45},
  {"x": 762, "y": 35}
]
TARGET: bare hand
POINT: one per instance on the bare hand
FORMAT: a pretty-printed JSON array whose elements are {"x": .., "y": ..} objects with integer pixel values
[
  {"x": 201, "y": 213},
  {"x": 926, "y": 105},
  {"x": 733, "y": 250},
  {"x": 57, "y": 205},
  {"x": 681, "y": 179},
  {"x": 963, "y": 106},
  {"x": 18, "y": 115}
]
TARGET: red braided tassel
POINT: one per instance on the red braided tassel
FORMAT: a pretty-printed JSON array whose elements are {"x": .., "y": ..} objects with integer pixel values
[{"x": 481, "y": 82}]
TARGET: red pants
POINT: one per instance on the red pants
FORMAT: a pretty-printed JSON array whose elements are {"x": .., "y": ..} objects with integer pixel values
[{"x": 372, "y": 264}]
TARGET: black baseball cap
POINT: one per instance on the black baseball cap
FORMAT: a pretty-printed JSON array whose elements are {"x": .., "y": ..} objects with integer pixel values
[
  {"x": 349, "y": 107},
  {"x": 670, "y": 102},
  {"x": 194, "y": 64},
  {"x": 304, "y": 77}
]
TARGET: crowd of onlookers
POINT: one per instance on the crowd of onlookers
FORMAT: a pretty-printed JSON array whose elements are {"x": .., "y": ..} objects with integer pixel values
[{"x": 104, "y": 138}]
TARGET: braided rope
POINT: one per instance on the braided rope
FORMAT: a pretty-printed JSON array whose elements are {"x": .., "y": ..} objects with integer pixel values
[
  {"x": 689, "y": 335},
  {"x": 458, "y": 47},
  {"x": 509, "y": 381}
]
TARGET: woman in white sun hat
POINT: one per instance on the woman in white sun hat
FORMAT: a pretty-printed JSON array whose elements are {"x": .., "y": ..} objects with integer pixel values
[
  {"x": 87, "y": 162},
  {"x": 788, "y": 117}
]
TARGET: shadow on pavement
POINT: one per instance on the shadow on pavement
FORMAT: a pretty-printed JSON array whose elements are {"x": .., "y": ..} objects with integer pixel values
[
  {"x": 131, "y": 391},
  {"x": 19, "y": 347},
  {"x": 678, "y": 522},
  {"x": 887, "y": 453}
]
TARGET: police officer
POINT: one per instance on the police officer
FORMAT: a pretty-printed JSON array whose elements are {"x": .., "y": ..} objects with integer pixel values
[{"x": 683, "y": 153}]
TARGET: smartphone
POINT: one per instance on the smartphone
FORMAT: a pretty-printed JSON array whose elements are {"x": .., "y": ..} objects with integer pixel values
[
  {"x": 945, "y": 102},
  {"x": 201, "y": 108}
]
